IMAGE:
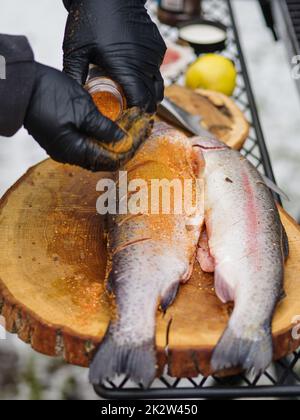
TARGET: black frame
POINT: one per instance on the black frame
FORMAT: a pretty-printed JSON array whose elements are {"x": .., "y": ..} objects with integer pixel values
[
  {"x": 212, "y": 393},
  {"x": 285, "y": 383}
]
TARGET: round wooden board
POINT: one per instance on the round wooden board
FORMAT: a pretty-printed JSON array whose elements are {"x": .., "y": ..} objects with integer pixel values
[
  {"x": 220, "y": 114},
  {"x": 52, "y": 265}
]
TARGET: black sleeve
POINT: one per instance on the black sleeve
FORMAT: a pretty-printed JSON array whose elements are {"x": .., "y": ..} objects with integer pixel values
[
  {"x": 67, "y": 3},
  {"x": 17, "y": 74}
]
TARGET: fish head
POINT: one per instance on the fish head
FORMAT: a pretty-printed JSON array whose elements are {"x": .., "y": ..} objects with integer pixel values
[{"x": 201, "y": 146}]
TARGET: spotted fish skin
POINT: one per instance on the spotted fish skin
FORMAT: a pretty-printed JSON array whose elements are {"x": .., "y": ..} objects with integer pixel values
[
  {"x": 249, "y": 246},
  {"x": 151, "y": 255}
]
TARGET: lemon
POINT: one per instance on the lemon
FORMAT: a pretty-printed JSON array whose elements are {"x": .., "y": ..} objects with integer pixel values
[{"x": 213, "y": 72}]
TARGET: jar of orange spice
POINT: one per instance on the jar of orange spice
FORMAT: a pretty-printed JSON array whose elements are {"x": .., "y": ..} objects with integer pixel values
[
  {"x": 108, "y": 95},
  {"x": 110, "y": 100}
]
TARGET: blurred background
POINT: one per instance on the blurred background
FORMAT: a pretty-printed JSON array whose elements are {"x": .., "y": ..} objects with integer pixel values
[{"x": 23, "y": 373}]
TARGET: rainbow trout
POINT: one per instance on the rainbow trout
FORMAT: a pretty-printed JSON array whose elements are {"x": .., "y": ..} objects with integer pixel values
[
  {"x": 244, "y": 243},
  {"x": 152, "y": 253},
  {"x": 248, "y": 246}
]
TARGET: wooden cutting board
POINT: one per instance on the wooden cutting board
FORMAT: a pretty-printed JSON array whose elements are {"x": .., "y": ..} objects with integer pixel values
[
  {"x": 220, "y": 114},
  {"x": 52, "y": 265}
]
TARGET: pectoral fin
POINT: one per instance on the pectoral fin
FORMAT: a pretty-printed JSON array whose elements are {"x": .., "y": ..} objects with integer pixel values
[{"x": 273, "y": 187}]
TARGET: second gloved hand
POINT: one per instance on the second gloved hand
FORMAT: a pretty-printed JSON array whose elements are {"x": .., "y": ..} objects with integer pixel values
[
  {"x": 63, "y": 119},
  {"x": 120, "y": 37}
]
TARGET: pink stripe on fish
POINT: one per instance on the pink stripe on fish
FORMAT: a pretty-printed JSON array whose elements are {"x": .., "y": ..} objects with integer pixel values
[{"x": 252, "y": 220}]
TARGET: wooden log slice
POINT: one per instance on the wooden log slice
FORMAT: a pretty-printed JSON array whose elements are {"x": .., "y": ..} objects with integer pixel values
[
  {"x": 52, "y": 267},
  {"x": 221, "y": 116}
]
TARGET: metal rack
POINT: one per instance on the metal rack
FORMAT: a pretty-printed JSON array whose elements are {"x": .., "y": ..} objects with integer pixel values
[
  {"x": 287, "y": 17},
  {"x": 282, "y": 380}
]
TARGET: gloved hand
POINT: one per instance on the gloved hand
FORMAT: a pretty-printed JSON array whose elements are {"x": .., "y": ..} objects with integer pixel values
[
  {"x": 63, "y": 119},
  {"x": 120, "y": 37}
]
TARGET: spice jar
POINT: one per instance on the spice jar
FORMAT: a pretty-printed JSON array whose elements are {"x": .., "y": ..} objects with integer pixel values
[
  {"x": 175, "y": 12},
  {"x": 110, "y": 100},
  {"x": 108, "y": 95}
]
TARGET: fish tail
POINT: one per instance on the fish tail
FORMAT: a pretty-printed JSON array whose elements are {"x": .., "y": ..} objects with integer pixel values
[
  {"x": 135, "y": 361},
  {"x": 252, "y": 353}
]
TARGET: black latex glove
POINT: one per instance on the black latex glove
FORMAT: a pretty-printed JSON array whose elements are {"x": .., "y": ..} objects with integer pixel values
[
  {"x": 63, "y": 119},
  {"x": 120, "y": 37}
]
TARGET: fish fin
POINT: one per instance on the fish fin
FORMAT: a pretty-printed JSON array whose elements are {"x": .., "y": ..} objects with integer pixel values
[
  {"x": 285, "y": 244},
  {"x": 169, "y": 297},
  {"x": 204, "y": 257},
  {"x": 252, "y": 354},
  {"x": 205, "y": 260},
  {"x": 188, "y": 274},
  {"x": 223, "y": 290},
  {"x": 135, "y": 361},
  {"x": 283, "y": 295},
  {"x": 273, "y": 187},
  {"x": 110, "y": 283}
]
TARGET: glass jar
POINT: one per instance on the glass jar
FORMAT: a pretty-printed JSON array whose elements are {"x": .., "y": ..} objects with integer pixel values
[
  {"x": 108, "y": 95},
  {"x": 109, "y": 98},
  {"x": 175, "y": 12}
]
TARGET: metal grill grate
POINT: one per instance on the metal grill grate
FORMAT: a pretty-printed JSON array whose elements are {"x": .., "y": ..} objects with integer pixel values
[
  {"x": 283, "y": 378},
  {"x": 221, "y": 10},
  {"x": 287, "y": 16},
  {"x": 294, "y": 10}
]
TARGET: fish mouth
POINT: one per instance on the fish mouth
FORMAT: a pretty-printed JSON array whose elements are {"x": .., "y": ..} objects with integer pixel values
[
  {"x": 208, "y": 148},
  {"x": 209, "y": 144}
]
